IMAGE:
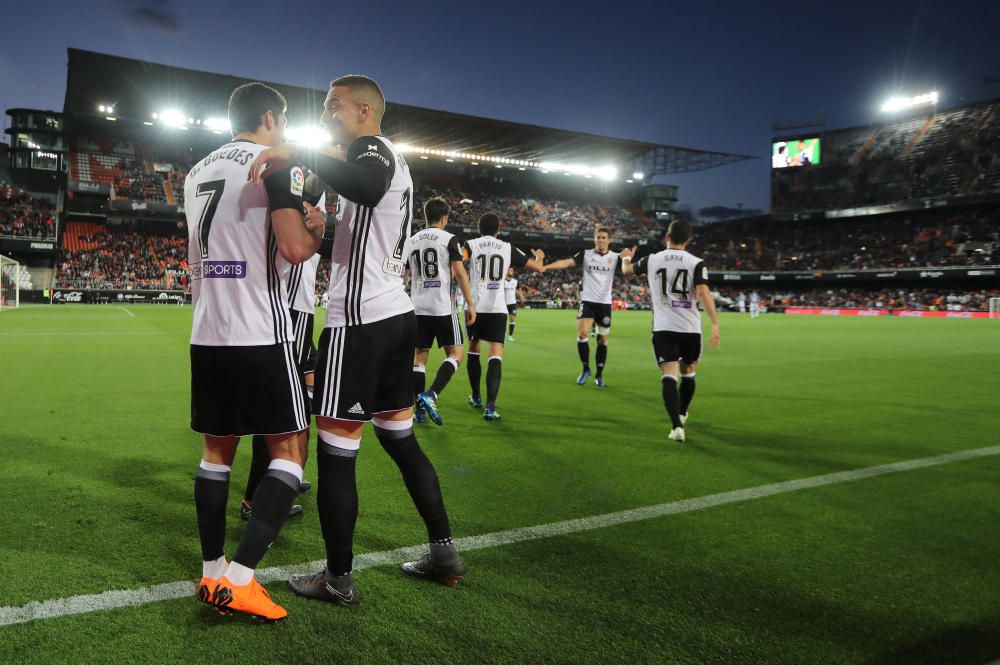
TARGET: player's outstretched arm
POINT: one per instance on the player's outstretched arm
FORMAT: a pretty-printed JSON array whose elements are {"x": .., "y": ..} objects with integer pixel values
[
  {"x": 704, "y": 294},
  {"x": 458, "y": 270},
  {"x": 561, "y": 264},
  {"x": 364, "y": 178},
  {"x": 537, "y": 262}
]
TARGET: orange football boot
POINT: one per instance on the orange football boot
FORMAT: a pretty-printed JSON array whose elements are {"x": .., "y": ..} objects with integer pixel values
[{"x": 251, "y": 599}]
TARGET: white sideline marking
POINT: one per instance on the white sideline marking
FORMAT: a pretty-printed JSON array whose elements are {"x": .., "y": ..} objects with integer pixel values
[
  {"x": 127, "y": 312},
  {"x": 59, "y": 607}
]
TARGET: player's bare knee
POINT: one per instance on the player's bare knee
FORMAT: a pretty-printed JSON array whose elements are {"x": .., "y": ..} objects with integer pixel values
[
  {"x": 456, "y": 354},
  {"x": 602, "y": 340},
  {"x": 291, "y": 447},
  {"x": 220, "y": 449}
]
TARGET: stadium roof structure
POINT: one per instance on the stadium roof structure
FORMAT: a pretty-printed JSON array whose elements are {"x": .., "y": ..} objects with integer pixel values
[{"x": 136, "y": 89}]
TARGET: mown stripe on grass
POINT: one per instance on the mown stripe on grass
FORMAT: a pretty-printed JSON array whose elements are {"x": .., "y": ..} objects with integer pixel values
[{"x": 59, "y": 607}]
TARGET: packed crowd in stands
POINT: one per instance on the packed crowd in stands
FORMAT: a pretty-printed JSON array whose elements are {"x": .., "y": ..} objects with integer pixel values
[
  {"x": 136, "y": 184},
  {"x": 932, "y": 299},
  {"x": 927, "y": 240},
  {"x": 948, "y": 154},
  {"x": 112, "y": 258},
  {"x": 25, "y": 216}
]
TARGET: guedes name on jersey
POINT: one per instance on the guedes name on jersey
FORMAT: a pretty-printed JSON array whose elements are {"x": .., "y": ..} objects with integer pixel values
[{"x": 238, "y": 155}]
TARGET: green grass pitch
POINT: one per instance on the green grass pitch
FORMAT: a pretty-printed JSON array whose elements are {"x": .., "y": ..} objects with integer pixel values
[{"x": 96, "y": 493}]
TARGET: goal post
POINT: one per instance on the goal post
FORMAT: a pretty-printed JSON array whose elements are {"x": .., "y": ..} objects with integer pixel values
[
  {"x": 995, "y": 308},
  {"x": 10, "y": 283}
]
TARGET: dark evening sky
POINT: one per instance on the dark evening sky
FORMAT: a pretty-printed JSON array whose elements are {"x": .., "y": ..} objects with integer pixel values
[{"x": 711, "y": 75}]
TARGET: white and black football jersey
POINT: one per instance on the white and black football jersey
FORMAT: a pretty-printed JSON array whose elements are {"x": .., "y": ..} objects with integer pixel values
[
  {"x": 238, "y": 278},
  {"x": 489, "y": 259},
  {"x": 370, "y": 242},
  {"x": 598, "y": 275},
  {"x": 431, "y": 253},
  {"x": 302, "y": 286},
  {"x": 510, "y": 291},
  {"x": 673, "y": 274}
]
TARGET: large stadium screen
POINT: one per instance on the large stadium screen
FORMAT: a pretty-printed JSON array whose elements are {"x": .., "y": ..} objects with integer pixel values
[{"x": 795, "y": 152}]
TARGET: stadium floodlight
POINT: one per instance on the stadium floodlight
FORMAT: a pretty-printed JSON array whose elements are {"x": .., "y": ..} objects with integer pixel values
[
  {"x": 216, "y": 124},
  {"x": 311, "y": 136},
  {"x": 156, "y": 116},
  {"x": 606, "y": 172},
  {"x": 172, "y": 118},
  {"x": 894, "y": 104},
  {"x": 637, "y": 175},
  {"x": 102, "y": 108}
]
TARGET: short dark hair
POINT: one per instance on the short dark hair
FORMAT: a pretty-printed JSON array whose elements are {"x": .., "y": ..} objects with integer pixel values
[
  {"x": 602, "y": 229},
  {"x": 489, "y": 224},
  {"x": 680, "y": 231},
  {"x": 435, "y": 209},
  {"x": 366, "y": 84},
  {"x": 249, "y": 103}
]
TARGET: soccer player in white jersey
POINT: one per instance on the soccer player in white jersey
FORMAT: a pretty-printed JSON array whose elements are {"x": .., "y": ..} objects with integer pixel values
[
  {"x": 244, "y": 380},
  {"x": 676, "y": 280},
  {"x": 512, "y": 296},
  {"x": 742, "y": 302},
  {"x": 489, "y": 260},
  {"x": 435, "y": 257},
  {"x": 366, "y": 349},
  {"x": 754, "y": 305},
  {"x": 599, "y": 265}
]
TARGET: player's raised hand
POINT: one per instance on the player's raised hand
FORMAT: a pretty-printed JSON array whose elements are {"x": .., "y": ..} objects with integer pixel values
[
  {"x": 628, "y": 253},
  {"x": 273, "y": 158}
]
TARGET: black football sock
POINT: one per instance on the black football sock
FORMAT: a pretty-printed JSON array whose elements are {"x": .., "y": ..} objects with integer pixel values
[
  {"x": 510, "y": 329},
  {"x": 271, "y": 502},
  {"x": 671, "y": 400},
  {"x": 475, "y": 373},
  {"x": 211, "y": 491},
  {"x": 420, "y": 477},
  {"x": 444, "y": 374},
  {"x": 687, "y": 391},
  {"x": 583, "y": 346},
  {"x": 337, "y": 500},
  {"x": 419, "y": 379},
  {"x": 258, "y": 467},
  {"x": 602, "y": 357},
  {"x": 494, "y": 372}
]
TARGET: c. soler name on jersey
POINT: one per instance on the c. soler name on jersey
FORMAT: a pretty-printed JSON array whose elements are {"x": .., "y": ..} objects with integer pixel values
[{"x": 240, "y": 155}]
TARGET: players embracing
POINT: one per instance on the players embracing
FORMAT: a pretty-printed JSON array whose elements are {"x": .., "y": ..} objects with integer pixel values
[{"x": 599, "y": 265}]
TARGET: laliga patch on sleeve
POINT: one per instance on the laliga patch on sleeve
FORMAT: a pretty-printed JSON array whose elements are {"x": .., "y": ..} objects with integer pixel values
[{"x": 298, "y": 181}]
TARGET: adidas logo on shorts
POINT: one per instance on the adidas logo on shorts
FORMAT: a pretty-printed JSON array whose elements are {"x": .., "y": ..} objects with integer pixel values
[{"x": 356, "y": 410}]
